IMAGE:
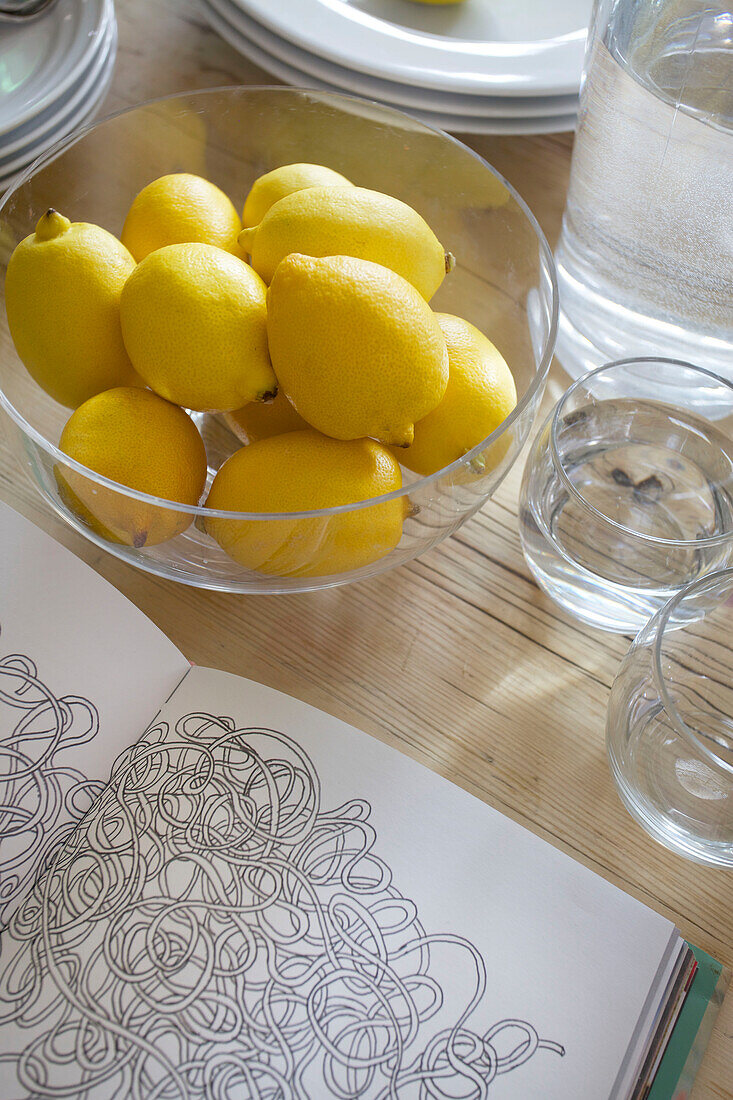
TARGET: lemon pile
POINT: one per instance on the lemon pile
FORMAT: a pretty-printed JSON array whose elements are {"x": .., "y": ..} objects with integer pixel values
[{"x": 306, "y": 325}]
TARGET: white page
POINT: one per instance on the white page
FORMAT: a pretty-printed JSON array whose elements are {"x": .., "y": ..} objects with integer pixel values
[
  {"x": 307, "y": 908},
  {"x": 82, "y": 673}
]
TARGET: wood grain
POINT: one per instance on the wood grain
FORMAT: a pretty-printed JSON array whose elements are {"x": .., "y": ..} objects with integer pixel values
[{"x": 457, "y": 658}]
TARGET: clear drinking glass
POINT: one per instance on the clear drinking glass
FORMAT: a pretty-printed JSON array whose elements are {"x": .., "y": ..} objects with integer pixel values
[
  {"x": 669, "y": 731},
  {"x": 645, "y": 261},
  {"x": 627, "y": 493}
]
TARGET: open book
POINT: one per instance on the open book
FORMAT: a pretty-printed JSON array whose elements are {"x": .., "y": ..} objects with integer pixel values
[{"x": 211, "y": 890}]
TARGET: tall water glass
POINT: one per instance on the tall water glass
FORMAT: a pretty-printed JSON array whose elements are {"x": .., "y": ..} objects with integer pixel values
[
  {"x": 645, "y": 260},
  {"x": 669, "y": 730},
  {"x": 627, "y": 494}
]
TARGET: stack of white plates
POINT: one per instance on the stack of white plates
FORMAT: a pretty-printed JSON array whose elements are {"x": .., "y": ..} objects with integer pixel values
[
  {"x": 55, "y": 71},
  {"x": 483, "y": 66}
]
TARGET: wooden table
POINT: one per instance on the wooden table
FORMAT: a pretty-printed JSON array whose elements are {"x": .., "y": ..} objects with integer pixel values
[{"x": 457, "y": 659}]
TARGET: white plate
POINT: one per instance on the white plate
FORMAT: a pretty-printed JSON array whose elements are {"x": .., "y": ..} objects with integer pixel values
[
  {"x": 41, "y": 59},
  {"x": 502, "y": 47},
  {"x": 92, "y": 109},
  {"x": 465, "y": 124},
  {"x": 18, "y": 139},
  {"x": 83, "y": 114},
  {"x": 76, "y": 107},
  {"x": 391, "y": 92}
]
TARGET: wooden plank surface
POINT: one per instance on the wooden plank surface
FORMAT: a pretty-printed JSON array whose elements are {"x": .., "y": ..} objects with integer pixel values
[{"x": 457, "y": 658}]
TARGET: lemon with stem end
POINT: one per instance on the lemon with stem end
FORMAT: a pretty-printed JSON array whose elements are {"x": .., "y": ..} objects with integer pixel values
[
  {"x": 349, "y": 221},
  {"x": 355, "y": 347},
  {"x": 304, "y": 471},
  {"x": 62, "y": 294},
  {"x": 137, "y": 439}
]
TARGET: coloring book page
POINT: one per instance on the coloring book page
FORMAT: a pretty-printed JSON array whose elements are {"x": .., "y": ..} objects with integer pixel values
[
  {"x": 266, "y": 904},
  {"x": 82, "y": 673}
]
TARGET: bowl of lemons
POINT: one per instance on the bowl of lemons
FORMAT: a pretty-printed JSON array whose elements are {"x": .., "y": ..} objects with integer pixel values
[{"x": 269, "y": 340}]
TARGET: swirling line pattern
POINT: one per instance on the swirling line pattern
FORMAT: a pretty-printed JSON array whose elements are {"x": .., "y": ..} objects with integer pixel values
[
  {"x": 42, "y": 796},
  {"x": 211, "y": 931}
]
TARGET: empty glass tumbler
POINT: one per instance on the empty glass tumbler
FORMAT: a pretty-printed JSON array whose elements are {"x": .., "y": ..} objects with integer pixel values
[
  {"x": 645, "y": 260},
  {"x": 627, "y": 493},
  {"x": 669, "y": 730}
]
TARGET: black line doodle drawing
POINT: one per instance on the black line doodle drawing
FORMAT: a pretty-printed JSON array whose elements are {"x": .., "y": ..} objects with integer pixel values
[
  {"x": 211, "y": 932},
  {"x": 41, "y": 796}
]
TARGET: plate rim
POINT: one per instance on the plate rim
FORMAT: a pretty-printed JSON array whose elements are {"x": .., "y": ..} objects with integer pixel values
[
  {"x": 49, "y": 118},
  {"x": 453, "y": 123},
  {"x": 365, "y": 33},
  {"x": 311, "y": 64},
  {"x": 72, "y": 122},
  {"x": 49, "y": 95}
]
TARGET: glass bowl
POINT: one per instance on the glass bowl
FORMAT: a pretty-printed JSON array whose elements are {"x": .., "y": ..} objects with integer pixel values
[{"x": 503, "y": 282}]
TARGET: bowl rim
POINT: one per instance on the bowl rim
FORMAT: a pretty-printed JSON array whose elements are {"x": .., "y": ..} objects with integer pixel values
[{"x": 546, "y": 263}]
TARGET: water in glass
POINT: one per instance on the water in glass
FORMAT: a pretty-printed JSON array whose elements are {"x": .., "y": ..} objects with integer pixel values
[
  {"x": 645, "y": 261},
  {"x": 624, "y": 501}
]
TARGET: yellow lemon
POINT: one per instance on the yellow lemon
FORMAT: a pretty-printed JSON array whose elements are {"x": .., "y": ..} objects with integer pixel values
[
  {"x": 479, "y": 396},
  {"x": 179, "y": 208},
  {"x": 302, "y": 471},
  {"x": 135, "y": 438},
  {"x": 356, "y": 349},
  {"x": 268, "y": 189},
  {"x": 62, "y": 294},
  {"x": 260, "y": 420},
  {"x": 444, "y": 2},
  {"x": 194, "y": 321},
  {"x": 349, "y": 221}
]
